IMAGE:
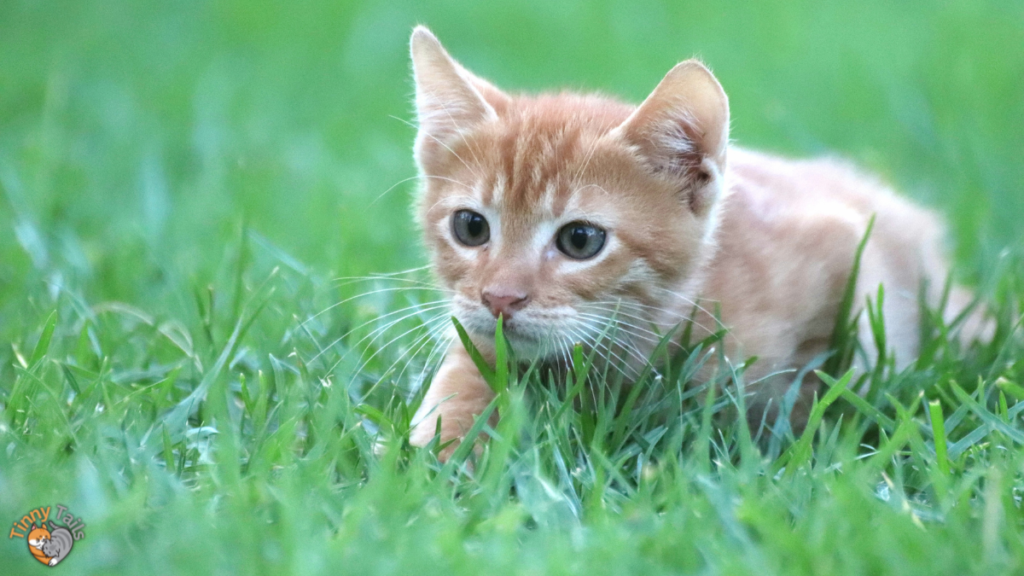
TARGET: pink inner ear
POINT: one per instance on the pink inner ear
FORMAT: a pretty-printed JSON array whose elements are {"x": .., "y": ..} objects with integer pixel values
[{"x": 677, "y": 142}]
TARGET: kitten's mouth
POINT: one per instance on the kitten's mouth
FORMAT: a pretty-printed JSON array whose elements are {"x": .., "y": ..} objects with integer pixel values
[
  {"x": 528, "y": 340},
  {"x": 512, "y": 330},
  {"x": 530, "y": 337},
  {"x": 521, "y": 335}
]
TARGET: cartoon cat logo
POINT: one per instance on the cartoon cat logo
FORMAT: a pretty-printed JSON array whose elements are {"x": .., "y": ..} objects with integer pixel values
[
  {"x": 48, "y": 542},
  {"x": 50, "y": 546}
]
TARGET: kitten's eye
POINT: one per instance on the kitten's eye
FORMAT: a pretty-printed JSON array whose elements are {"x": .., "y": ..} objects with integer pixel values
[
  {"x": 580, "y": 240},
  {"x": 470, "y": 228}
]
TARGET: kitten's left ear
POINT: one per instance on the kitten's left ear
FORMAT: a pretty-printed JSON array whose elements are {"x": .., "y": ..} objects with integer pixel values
[
  {"x": 683, "y": 128},
  {"x": 450, "y": 101}
]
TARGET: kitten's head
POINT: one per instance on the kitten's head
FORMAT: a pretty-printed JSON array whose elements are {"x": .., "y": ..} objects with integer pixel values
[
  {"x": 560, "y": 212},
  {"x": 38, "y": 536}
]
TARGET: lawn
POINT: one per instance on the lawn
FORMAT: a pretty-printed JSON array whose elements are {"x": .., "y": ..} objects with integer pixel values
[{"x": 197, "y": 361}]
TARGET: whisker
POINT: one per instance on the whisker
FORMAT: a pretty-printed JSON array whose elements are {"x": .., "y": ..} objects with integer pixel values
[
  {"x": 416, "y": 177},
  {"x": 629, "y": 331},
  {"x": 566, "y": 347},
  {"x": 448, "y": 112},
  {"x": 362, "y": 295},
  {"x": 416, "y": 345},
  {"x": 441, "y": 339},
  {"x": 618, "y": 316},
  {"x": 387, "y": 274},
  {"x": 430, "y": 337},
  {"x": 416, "y": 284},
  {"x": 601, "y": 188},
  {"x": 383, "y": 347},
  {"x": 654, "y": 336},
  {"x": 381, "y": 330},
  {"x": 599, "y": 344},
  {"x": 687, "y": 300},
  {"x": 562, "y": 345},
  {"x": 412, "y": 348},
  {"x": 392, "y": 187},
  {"x": 446, "y": 147},
  {"x": 616, "y": 307},
  {"x": 586, "y": 163},
  {"x": 573, "y": 336},
  {"x": 621, "y": 364},
  {"x": 417, "y": 307},
  {"x": 627, "y": 340}
]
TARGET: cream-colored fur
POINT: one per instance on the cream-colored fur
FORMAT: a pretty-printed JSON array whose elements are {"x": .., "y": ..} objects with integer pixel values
[{"x": 689, "y": 222}]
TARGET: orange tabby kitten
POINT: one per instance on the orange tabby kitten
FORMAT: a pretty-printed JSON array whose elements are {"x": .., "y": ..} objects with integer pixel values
[{"x": 565, "y": 213}]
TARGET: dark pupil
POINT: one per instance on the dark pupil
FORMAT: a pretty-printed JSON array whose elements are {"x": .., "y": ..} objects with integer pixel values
[
  {"x": 579, "y": 237},
  {"x": 475, "y": 226}
]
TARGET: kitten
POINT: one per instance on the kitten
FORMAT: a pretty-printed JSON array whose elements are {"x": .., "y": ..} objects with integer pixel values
[{"x": 565, "y": 213}]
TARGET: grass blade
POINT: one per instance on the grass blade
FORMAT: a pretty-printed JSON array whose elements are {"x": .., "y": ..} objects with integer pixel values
[
  {"x": 481, "y": 363},
  {"x": 43, "y": 345},
  {"x": 939, "y": 434},
  {"x": 799, "y": 453}
]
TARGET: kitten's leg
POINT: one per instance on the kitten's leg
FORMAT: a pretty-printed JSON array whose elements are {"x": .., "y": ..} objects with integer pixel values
[
  {"x": 457, "y": 395},
  {"x": 902, "y": 307},
  {"x": 900, "y": 311},
  {"x": 977, "y": 325}
]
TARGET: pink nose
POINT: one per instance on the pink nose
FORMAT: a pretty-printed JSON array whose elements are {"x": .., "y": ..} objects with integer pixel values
[{"x": 504, "y": 302}]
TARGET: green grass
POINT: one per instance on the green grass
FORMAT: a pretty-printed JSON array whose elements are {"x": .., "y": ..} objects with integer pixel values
[{"x": 181, "y": 183}]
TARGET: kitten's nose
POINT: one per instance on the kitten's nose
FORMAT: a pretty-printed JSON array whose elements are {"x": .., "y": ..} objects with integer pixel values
[{"x": 504, "y": 302}]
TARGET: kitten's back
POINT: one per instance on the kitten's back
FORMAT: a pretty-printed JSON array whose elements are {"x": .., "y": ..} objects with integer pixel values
[{"x": 785, "y": 248}]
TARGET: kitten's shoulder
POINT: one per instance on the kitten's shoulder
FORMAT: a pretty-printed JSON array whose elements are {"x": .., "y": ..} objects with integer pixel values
[
  {"x": 818, "y": 192},
  {"x": 791, "y": 223}
]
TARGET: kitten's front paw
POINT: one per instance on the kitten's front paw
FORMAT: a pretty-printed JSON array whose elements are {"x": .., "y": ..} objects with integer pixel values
[{"x": 421, "y": 436}]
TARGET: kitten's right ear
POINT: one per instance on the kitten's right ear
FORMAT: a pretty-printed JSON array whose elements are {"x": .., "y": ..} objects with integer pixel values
[{"x": 449, "y": 100}]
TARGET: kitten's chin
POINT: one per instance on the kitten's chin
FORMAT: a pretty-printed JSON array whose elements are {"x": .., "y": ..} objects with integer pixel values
[
  {"x": 529, "y": 349},
  {"x": 527, "y": 344}
]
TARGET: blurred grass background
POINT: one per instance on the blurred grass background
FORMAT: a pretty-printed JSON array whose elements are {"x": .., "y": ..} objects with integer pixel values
[{"x": 138, "y": 140}]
